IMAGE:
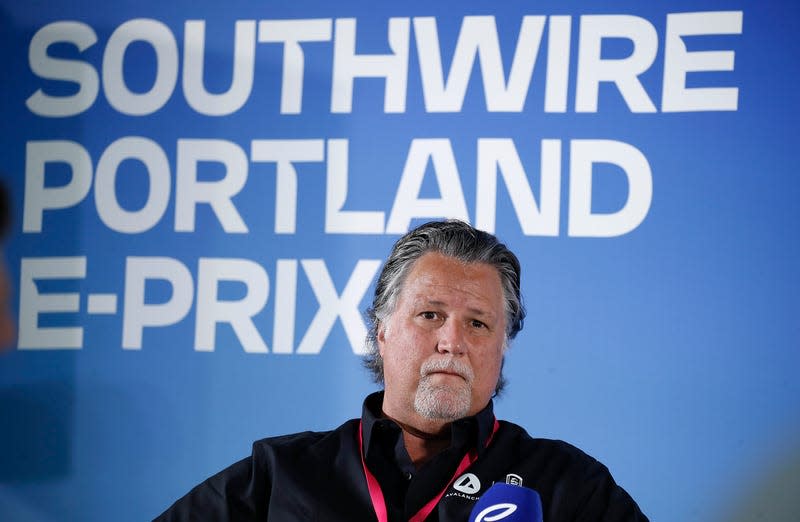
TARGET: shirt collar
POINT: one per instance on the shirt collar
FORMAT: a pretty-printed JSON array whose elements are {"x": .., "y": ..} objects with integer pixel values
[{"x": 478, "y": 427}]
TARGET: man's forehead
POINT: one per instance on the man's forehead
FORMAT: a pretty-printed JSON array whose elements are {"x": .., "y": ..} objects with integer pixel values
[
  {"x": 431, "y": 262},
  {"x": 434, "y": 274}
]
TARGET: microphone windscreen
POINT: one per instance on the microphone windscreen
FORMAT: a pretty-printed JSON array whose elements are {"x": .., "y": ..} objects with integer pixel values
[{"x": 507, "y": 503}]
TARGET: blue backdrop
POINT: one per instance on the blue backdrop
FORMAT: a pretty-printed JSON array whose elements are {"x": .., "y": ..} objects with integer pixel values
[{"x": 203, "y": 193}]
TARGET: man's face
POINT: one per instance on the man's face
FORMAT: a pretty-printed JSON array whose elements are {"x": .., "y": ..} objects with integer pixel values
[{"x": 443, "y": 345}]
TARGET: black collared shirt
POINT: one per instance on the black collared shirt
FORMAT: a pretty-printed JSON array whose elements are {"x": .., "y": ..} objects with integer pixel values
[
  {"x": 406, "y": 490},
  {"x": 318, "y": 476}
]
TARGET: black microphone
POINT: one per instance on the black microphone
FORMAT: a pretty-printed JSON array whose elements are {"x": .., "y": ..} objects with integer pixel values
[{"x": 509, "y": 503}]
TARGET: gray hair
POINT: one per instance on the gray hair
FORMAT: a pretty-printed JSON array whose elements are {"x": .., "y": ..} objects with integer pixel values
[{"x": 454, "y": 239}]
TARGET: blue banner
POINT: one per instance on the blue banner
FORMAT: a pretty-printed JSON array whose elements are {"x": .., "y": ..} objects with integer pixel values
[{"x": 202, "y": 196}]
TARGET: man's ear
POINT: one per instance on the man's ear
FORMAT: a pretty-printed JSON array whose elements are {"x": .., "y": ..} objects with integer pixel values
[{"x": 380, "y": 336}]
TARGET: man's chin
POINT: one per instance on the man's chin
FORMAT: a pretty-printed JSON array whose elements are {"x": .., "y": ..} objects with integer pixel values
[{"x": 442, "y": 402}]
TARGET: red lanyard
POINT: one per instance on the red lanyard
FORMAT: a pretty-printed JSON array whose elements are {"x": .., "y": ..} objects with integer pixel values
[{"x": 376, "y": 494}]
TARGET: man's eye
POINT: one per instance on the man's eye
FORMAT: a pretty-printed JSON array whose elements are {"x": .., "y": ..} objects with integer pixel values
[
  {"x": 429, "y": 315},
  {"x": 478, "y": 324}
]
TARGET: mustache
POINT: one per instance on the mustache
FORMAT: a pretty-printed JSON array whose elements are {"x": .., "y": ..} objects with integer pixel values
[{"x": 447, "y": 365}]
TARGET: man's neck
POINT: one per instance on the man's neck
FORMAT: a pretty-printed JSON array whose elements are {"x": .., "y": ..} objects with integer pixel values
[{"x": 424, "y": 444}]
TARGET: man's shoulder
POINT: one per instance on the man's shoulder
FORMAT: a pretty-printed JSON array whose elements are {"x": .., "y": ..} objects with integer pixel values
[
  {"x": 243, "y": 489},
  {"x": 306, "y": 442},
  {"x": 572, "y": 484},
  {"x": 544, "y": 453},
  {"x": 520, "y": 436}
]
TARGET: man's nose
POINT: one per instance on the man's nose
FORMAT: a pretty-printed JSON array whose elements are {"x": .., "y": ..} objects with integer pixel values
[{"x": 451, "y": 338}]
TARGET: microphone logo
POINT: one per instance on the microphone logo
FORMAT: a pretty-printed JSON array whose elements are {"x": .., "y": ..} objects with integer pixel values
[
  {"x": 507, "y": 503},
  {"x": 496, "y": 512}
]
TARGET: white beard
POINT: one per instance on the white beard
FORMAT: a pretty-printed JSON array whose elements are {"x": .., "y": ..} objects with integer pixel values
[{"x": 438, "y": 401}]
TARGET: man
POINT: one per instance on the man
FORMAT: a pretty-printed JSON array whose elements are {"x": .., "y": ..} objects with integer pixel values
[{"x": 446, "y": 305}]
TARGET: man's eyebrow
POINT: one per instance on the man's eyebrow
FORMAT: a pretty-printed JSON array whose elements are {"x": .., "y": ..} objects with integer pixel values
[
  {"x": 424, "y": 301},
  {"x": 481, "y": 312}
]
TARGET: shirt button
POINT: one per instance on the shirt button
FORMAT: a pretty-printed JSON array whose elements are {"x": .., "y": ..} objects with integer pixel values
[{"x": 409, "y": 476}]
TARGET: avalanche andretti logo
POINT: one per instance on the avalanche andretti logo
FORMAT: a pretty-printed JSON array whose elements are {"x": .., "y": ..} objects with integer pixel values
[
  {"x": 496, "y": 512},
  {"x": 467, "y": 483}
]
